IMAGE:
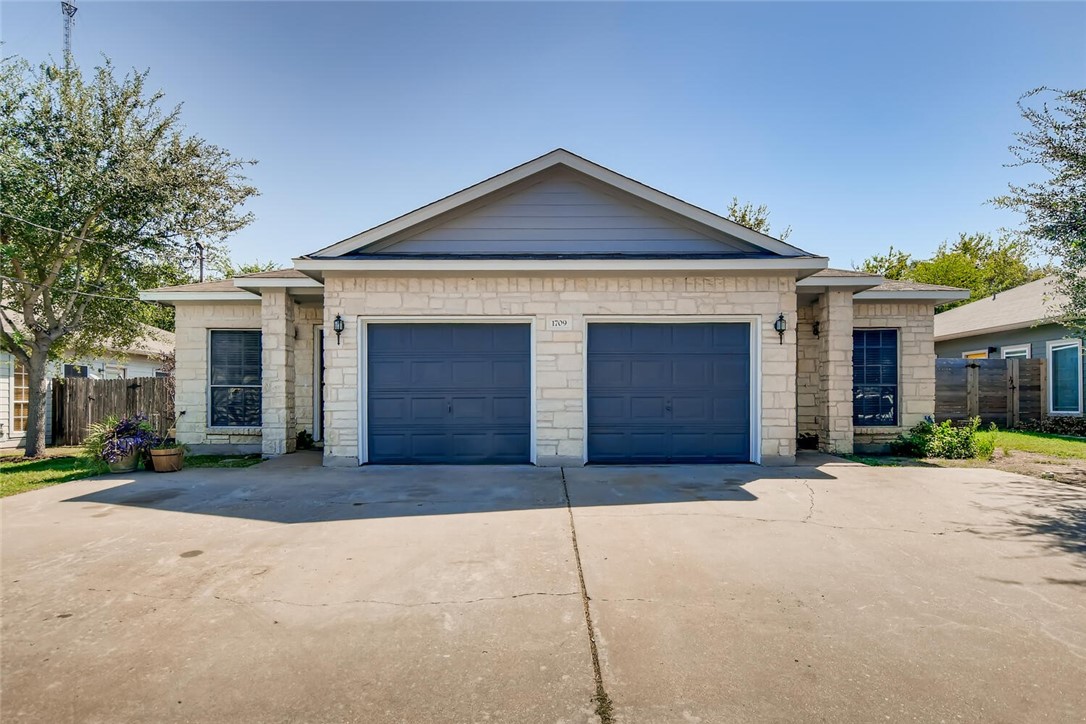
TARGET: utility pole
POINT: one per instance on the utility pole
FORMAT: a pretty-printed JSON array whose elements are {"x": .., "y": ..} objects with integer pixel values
[{"x": 69, "y": 9}]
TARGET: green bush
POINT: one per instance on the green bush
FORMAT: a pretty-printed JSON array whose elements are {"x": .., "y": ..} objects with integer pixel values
[{"x": 945, "y": 440}]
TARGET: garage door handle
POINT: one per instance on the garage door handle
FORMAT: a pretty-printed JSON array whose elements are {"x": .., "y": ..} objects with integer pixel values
[{"x": 450, "y": 408}]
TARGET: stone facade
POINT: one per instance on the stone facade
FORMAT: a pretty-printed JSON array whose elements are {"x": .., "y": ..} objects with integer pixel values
[
  {"x": 915, "y": 323},
  {"x": 806, "y": 383},
  {"x": 193, "y": 321},
  {"x": 559, "y": 355}
]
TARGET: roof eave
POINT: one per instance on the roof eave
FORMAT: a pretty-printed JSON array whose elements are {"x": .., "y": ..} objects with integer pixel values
[
  {"x": 168, "y": 297},
  {"x": 802, "y": 266},
  {"x": 933, "y": 296}
]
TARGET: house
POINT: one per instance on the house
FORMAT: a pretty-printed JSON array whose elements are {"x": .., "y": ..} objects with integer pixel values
[
  {"x": 558, "y": 313},
  {"x": 142, "y": 359},
  {"x": 1019, "y": 323}
]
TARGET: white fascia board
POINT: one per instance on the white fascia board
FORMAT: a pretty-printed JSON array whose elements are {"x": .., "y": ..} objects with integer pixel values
[
  {"x": 276, "y": 283},
  {"x": 575, "y": 162},
  {"x": 182, "y": 296},
  {"x": 934, "y": 296},
  {"x": 594, "y": 265}
]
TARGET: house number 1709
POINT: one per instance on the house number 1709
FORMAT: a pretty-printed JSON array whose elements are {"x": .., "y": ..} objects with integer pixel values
[{"x": 560, "y": 323}]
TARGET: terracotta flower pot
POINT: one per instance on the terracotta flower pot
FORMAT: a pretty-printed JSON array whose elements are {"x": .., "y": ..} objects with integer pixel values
[
  {"x": 126, "y": 464},
  {"x": 168, "y": 461}
]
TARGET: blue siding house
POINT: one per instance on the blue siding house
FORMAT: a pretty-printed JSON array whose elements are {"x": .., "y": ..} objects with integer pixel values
[{"x": 1018, "y": 323}]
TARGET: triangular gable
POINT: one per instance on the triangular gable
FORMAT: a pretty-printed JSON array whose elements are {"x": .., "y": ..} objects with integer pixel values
[{"x": 593, "y": 210}]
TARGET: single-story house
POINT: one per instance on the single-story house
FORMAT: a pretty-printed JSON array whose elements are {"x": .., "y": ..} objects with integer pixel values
[
  {"x": 558, "y": 313},
  {"x": 1019, "y": 323},
  {"x": 144, "y": 358}
]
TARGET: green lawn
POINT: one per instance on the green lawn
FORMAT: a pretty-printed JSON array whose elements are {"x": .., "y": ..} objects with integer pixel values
[
  {"x": 1041, "y": 443},
  {"x": 18, "y": 475}
]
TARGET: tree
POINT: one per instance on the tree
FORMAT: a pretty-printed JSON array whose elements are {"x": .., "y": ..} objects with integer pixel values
[
  {"x": 229, "y": 269},
  {"x": 100, "y": 188},
  {"x": 976, "y": 262},
  {"x": 753, "y": 217},
  {"x": 1055, "y": 206}
]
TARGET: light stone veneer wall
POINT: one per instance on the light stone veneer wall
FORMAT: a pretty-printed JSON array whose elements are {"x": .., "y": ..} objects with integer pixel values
[
  {"x": 193, "y": 320},
  {"x": 916, "y": 374},
  {"x": 807, "y": 371},
  {"x": 559, "y": 354}
]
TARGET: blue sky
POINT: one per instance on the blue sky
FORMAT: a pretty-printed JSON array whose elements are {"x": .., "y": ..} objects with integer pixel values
[{"x": 859, "y": 124}]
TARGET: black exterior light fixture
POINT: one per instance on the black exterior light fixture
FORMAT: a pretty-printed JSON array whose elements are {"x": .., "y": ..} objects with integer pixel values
[
  {"x": 816, "y": 328},
  {"x": 338, "y": 326},
  {"x": 780, "y": 325}
]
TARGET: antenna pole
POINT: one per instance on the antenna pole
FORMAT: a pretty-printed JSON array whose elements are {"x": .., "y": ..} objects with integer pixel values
[{"x": 69, "y": 9}]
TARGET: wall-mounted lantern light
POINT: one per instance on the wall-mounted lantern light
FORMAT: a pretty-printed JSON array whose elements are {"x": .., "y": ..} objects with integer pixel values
[
  {"x": 816, "y": 328},
  {"x": 780, "y": 325},
  {"x": 338, "y": 326}
]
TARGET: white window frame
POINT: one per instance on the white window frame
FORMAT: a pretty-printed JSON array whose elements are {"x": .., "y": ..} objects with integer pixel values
[
  {"x": 1050, "y": 347},
  {"x": 1012, "y": 351},
  {"x": 235, "y": 429},
  {"x": 968, "y": 354}
]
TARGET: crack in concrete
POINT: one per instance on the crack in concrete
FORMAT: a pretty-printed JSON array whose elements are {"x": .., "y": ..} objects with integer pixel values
[
  {"x": 795, "y": 521},
  {"x": 397, "y": 604},
  {"x": 811, "y": 495},
  {"x": 604, "y": 707}
]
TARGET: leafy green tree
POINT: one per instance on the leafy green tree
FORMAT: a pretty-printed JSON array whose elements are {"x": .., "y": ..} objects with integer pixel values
[
  {"x": 100, "y": 190},
  {"x": 228, "y": 269},
  {"x": 1054, "y": 206},
  {"x": 976, "y": 262},
  {"x": 753, "y": 217}
]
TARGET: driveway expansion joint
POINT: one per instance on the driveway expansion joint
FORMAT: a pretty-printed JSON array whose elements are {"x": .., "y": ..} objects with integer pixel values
[
  {"x": 604, "y": 707},
  {"x": 397, "y": 604}
]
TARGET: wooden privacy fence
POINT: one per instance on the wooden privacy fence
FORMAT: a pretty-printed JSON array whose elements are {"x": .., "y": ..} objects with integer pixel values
[
  {"x": 80, "y": 402},
  {"x": 1003, "y": 391}
]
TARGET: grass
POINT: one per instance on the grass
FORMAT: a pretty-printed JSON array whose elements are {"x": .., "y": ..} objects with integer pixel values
[
  {"x": 62, "y": 465},
  {"x": 1041, "y": 443}
]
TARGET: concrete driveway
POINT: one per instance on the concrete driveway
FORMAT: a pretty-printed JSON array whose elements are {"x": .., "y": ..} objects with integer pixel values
[{"x": 287, "y": 592}]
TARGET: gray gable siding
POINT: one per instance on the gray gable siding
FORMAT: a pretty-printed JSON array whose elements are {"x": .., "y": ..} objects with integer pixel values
[
  {"x": 563, "y": 215},
  {"x": 1037, "y": 337}
]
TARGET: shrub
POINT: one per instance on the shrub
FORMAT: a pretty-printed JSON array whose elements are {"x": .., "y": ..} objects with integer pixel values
[
  {"x": 1059, "y": 425},
  {"x": 944, "y": 440}
]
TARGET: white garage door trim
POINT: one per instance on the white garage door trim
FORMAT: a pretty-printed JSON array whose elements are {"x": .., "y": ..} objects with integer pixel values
[
  {"x": 363, "y": 369},
  {"x": 753, "y": 321}
]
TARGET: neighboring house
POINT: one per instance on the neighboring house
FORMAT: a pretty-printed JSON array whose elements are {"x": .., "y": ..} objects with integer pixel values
[
  {"x": 1017, "y": 323},
  {"x": 142, "y": 359},
  {"x": 558, "y": 313}
]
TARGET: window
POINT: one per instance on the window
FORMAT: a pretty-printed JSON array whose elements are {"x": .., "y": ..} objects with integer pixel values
[
  {"x": 234, "y": 378},
  {"x": 1065, "y": 377},
  {"x": 20, "y": 408},
  {"x": 114, "y": 372},
  {"x": 161, "y": 374},
  {"x": 874, "y": 377},
  {"x": 975, "y": 354},
  {"x": 1017, "y": 351},
  {"x": 75, "y": 371}
]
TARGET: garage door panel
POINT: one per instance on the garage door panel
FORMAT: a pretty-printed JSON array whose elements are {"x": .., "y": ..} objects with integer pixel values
[
  {"x": 609, "y": 373},
  {"x": 686, "y": 397},
  {"x": 449, "y": 393}
]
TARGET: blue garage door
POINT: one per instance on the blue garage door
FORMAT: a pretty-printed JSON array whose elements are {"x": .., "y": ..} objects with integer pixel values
[
  {"x": 668, "y": 393},
  {"x": 449, "y": 393}
]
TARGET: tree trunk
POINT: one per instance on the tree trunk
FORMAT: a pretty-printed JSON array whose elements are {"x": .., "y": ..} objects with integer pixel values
[{"x": 39, "y": 389}]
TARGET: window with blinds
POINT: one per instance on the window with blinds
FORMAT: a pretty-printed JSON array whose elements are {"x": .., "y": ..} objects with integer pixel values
[
  {"x": 234, "y": 378},
  {"x": 874, "y": 377},
  {"x": 20, "y": 409}
]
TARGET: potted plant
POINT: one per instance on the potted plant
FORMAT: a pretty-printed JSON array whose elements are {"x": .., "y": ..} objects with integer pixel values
[
  {"x": 168, "y": 455},
  {"x": 119, "y": 444}
]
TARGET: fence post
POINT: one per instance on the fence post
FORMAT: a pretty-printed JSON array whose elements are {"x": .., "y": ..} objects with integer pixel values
[
  {"x": 972, "y": 390},
  {"x": 1014, "y": 384}
]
